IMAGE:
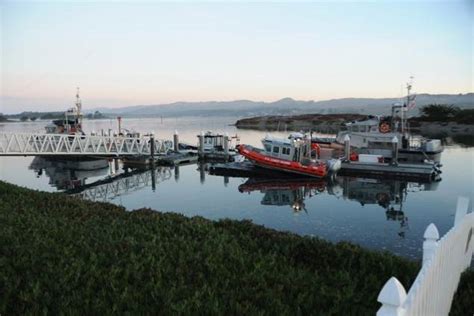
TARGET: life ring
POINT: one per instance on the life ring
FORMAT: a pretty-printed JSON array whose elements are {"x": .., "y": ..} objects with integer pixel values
[
  {"x": 353, "y": 156},
  {"x": 384, "y": 127}
]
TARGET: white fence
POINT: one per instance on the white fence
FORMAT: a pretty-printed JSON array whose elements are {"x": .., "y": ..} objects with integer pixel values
[
  {"x": 30, "y": 144},
  {"x": 443, "y": 262}
]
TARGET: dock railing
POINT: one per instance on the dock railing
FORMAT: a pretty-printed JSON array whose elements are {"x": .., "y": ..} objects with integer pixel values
[
  {"x": 37, "y": 144},
  {"x": 443, "y": 262}
]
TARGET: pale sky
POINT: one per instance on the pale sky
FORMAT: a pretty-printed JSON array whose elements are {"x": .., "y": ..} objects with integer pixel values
[{"x": 129, "y": 53}]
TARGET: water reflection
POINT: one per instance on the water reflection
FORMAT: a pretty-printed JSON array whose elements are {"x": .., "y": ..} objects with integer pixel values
[
  {"x": 71, "y": 177},
  {"x": 124, "y": 183},
  {"x": 389, "y": 195},
  {"x": 66, "y": 174}
]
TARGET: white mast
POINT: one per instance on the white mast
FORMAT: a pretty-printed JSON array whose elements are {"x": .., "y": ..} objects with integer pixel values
[
  {"x": 407, "y": 104},
  {"x": 78, "y": 109},
  {"x": 78, "y": 102}
]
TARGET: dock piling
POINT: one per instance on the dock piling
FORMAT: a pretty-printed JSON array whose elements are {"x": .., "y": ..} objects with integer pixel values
[
  {"x": 347, "y": 147},
  {"x": 394, "y": 150},
  {"x": 201, "y": 145},
  {"x": 176, "y": 141},
  {"x": 152, "y": 146},
  {"x": 116, "y": 165},
  {"x": 226, "y": 146}
]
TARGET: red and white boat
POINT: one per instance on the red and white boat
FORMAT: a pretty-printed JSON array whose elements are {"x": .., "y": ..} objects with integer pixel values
[{"x": 291, "y": 155}]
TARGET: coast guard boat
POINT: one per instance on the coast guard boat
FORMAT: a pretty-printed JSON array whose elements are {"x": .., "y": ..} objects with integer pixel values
[{"x": 292, "y": 155}]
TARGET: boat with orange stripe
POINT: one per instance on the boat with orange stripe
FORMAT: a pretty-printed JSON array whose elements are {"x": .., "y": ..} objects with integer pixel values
[{"x": 292, "y": 155}]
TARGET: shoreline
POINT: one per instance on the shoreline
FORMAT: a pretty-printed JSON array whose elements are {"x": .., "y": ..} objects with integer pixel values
[{"x": 332, "y": 123}]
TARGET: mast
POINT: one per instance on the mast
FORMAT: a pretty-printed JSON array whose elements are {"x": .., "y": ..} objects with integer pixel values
[
  {"x": 78, "y": 108},
  {"x": 407, "y": 104}
]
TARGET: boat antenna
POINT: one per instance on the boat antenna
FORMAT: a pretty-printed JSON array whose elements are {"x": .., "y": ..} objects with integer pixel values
[
  {"x": 78, "y": 102},
  {"x": 409, "y": 86}
]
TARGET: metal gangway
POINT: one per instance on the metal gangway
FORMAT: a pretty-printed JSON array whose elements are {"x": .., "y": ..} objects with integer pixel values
[
  {"x": 113, "y": 187},
  {"x": 40, "y": 144}
]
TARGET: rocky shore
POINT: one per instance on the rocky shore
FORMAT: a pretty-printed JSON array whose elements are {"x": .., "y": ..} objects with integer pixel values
[
  {"x": 324, "y": 123},
  {"x": 332, "y": 123}
]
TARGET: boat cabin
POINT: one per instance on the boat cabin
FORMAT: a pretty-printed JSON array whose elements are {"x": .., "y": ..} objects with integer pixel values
[
  {"x": 212, "y": 142},
  {"x": 297, "y": 147}
]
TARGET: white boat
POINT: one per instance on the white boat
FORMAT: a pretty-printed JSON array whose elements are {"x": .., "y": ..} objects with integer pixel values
[
  {"x": 71, "y": 123},
  {"x": 374, "y": 136}
]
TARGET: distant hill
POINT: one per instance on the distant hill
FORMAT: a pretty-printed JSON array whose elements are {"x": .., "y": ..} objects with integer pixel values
[
  {"x": 3, "y": 119},
  {"x": 286, "y": 106},
  {"x": 28, "y": 115}
]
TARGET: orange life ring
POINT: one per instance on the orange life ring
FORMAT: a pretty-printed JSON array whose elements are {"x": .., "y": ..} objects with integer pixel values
[{"x": 384, "y": 127}]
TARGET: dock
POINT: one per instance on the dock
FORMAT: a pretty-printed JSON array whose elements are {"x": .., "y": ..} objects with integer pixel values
[
  {"x": 176, "y": 158},
  {"x": 422, "y": 172},
  {"x": 426, "y": 172},
  {"x": 170, "y": 159}
]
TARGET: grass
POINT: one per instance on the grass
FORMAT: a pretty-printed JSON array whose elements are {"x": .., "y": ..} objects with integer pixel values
[{"x": 63, "y": 255}]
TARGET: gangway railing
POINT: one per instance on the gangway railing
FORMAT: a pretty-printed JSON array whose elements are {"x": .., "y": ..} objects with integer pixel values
[{"x": 37, "y": 144}]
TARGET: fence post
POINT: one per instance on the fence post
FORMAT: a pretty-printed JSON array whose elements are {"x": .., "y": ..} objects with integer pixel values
[
  {"x": 461, "y": 209},
  {"x": 431, "y": 242},
  {"x": 392, "y": 296}
]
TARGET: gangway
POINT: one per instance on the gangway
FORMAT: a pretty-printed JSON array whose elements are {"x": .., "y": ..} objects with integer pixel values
[{"x": 40, "y": 144}]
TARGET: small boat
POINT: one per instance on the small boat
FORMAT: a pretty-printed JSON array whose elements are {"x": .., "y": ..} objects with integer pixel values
[
  {"x": 291, "y": 155},
  {"x": 215, "y": 142},
  {"x": 217, "y": 147}
]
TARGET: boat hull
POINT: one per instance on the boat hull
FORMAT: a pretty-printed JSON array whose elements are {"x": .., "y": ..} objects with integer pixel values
[{"x": 316, "y": 170}]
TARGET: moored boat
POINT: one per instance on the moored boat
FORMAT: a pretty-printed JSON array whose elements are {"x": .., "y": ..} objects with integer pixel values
[
  {"x": 71, "y": 123},
  {"x": 374, "y": 136},
  {"x": 291, "y": 155}
]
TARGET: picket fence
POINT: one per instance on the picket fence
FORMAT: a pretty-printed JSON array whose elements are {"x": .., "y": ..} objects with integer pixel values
[{"x": 443, "y": 262}]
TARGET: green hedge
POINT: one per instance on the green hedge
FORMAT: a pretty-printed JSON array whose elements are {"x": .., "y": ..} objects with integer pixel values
[
  {"x": 463, "y": 302},
  {"x": 61, "y": 254}
]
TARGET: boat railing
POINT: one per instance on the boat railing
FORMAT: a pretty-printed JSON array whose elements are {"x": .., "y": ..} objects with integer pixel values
[{"x": 416, "y": 142}]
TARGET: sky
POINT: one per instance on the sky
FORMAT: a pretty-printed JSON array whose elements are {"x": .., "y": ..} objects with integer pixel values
[{"x": 131, "y": 53}]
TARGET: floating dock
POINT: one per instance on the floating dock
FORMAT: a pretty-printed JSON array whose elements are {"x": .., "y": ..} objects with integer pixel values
[
  {"x": 427, "y": 172},
  {"x": 175, "y": 159},
  {"x": 424, "y": 172},
  {"x": 170, "y": 159}
]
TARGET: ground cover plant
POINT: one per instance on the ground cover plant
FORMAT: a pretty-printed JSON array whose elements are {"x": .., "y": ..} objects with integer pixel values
[{"x": 59, "y": 254}]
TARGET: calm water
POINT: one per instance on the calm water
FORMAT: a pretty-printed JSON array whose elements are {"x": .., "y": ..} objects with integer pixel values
[{"x": 378, "y": 214}]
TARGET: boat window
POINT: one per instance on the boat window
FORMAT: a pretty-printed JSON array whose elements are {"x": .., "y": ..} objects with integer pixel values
[
  {"x": 285, "y": 151},
  {"x": 268, "y": 147},
  {"x": 276, "y": 149}
]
